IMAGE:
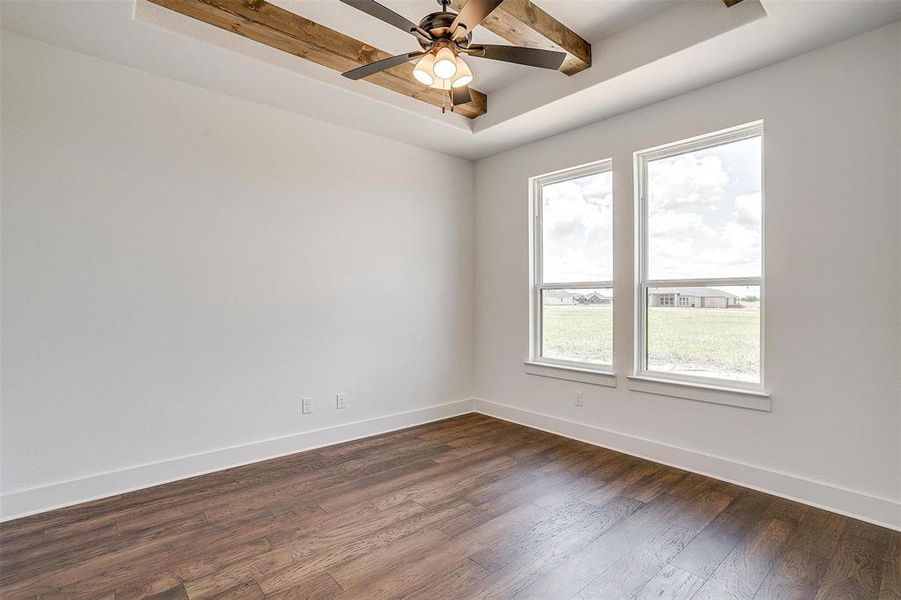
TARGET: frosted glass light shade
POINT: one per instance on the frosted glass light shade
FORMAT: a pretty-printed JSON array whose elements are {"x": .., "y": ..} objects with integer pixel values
[
  {"x": 464, "y": 75},
  {"x": 441, "y": 84},
  {"x": 424, "y": 70},
  {"x": 445, "y": 64}
]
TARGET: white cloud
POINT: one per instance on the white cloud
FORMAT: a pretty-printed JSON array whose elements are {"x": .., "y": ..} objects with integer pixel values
[
  {"x": 685, "y": 180},
  {"x": 741, "y": 236},
  {"x": 697, "y": 227},
  {"x": 577, "y": 230},
  {"x": 749, "y": 210},
  {"x": 676, "y": 225}
]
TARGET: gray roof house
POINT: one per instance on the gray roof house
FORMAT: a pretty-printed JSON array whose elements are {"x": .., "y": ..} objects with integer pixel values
[
  {"x": 593, "y": 298},
  {"x": 566, "y": 297},
  {"x": 691, "y": 297}
]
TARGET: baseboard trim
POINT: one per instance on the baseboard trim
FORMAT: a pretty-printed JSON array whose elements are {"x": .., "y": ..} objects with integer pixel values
[
  {"x": 873, "y": 509},
  {"x": 21, "y": 503}
]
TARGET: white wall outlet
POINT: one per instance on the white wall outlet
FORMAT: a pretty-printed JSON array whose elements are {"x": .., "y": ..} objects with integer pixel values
[
  {"x": 579, "y": 401},
  {"x": 341, "y": 400},
  {"x": 307, "y": 406}
]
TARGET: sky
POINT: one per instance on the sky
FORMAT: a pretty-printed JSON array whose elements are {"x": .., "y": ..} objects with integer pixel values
[
  {"x": 704, "y": 213},
  {"x": 578, "y": 229}
]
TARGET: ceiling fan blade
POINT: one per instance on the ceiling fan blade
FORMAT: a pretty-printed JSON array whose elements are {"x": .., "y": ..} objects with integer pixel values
[
  {"x": 383, "y": 13},
  {"x": 533, "y": 57},
  {"x": 380, "y": 65},
  {"x": 461, "y": 95},
  {"x": 471, "y": 15}
]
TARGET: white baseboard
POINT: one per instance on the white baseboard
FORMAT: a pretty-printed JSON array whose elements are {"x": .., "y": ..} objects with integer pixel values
[
  {"x": 873, "y": 509},
  {"x": 83, "y": 489},
  {"x": 881, "y": 511}
]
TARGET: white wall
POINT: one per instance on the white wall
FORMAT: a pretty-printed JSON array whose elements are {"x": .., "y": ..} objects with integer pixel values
[
  {"x": 832, "y": 315},
  {"x": 180, "y": 267}
]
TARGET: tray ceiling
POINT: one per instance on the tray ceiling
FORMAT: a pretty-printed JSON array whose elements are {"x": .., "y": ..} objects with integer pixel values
[{"x": 643, "y": 51}]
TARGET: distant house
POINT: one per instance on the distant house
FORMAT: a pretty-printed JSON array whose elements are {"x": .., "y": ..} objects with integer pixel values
[
  {"x": 563, "y": 297},
  {"x": 593, "y": 298},
  {"x": 692, "y": 298}
]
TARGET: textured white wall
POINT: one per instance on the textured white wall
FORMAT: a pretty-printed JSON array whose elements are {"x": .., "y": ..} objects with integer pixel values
[
  {"x": 180, "y": 267},
  {"x": 832, "y": 230}
]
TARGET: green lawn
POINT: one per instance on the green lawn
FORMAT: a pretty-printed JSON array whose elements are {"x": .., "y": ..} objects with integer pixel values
[
  {"x": 578, "y": 332},
  {"x": 702, "y": 341}
]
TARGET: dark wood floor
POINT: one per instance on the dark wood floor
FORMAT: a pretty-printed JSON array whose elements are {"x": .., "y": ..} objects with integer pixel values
[{"x": 471, "y": 507}]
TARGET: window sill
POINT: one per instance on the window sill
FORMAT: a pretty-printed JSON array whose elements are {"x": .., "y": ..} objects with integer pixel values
[
  {"x": 589, "y": 376},
  {"x": 742, "y": 398}
]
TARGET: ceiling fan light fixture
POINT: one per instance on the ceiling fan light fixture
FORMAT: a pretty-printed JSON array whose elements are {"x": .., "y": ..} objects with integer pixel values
[
  {"x": 443, "y": 37},
  {"x": 424, "y": 72},
  {"x": 445, "y": 64},
  {"x": 464, "y": 74},
  {"x": 441, "y": 84}
]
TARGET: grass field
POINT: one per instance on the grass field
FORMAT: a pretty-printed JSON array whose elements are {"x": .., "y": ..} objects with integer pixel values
[{"x": 703, "y": 341}]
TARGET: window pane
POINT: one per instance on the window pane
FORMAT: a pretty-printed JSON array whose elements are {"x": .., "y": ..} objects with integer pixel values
[
  {"x": 577, "y": 325},
  {"x": 704, "y": 212},
  {"x": 577, "y": 236},
  {"x": 705, "y": 331}
]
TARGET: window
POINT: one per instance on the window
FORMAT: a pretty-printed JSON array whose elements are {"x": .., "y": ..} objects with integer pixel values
[
  {"x": 572, "y": 279},
  {"x": 700, "y": 260}
]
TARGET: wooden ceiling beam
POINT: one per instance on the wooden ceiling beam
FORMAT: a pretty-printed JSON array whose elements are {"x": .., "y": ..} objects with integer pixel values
[
  {"x": 730, "y": 3},
  {"x": 522, "y": 23},
  {"x": 278, "y": 28}
]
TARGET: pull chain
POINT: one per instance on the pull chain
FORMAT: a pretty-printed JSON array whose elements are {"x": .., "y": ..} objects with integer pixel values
[{"x": 447, "y": 101}]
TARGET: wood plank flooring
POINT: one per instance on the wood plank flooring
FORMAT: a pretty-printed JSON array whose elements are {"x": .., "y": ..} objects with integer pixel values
[{"x": 469, "y": 507}]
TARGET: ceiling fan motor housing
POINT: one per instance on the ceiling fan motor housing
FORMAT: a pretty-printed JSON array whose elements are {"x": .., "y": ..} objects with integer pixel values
[{"x": 438, "y": 24}]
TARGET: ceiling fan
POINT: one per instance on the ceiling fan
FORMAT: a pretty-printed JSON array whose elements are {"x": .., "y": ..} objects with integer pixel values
[{"x": 444, "y": 36}]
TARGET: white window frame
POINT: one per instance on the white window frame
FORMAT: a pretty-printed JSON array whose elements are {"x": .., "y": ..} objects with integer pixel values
[
  {"x": 642, "y": 158},
  {"x": 536, "y": 282}
]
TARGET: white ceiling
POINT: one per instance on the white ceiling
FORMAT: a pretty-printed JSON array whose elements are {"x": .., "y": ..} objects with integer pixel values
[{"x": 643, "y": 51}]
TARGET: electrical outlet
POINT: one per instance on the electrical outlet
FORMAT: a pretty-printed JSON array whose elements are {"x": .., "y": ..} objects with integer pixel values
[
  {"x": 307, "y": 406},
  {"x": 341, "y": 400},
  {"x": 579, "y": 401}
]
